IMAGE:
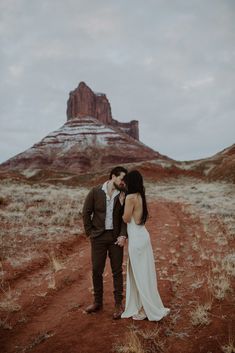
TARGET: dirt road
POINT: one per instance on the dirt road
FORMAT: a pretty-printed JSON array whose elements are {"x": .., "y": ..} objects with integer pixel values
[{"x": 52, "y": 316}]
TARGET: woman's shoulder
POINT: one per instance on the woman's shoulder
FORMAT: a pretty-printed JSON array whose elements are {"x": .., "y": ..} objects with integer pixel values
[{"x": 131, "y": 196}]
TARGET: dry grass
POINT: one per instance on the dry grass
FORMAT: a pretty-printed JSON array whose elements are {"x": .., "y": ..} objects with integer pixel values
[
  {"x": 9, "y": 300},
  {"x": 4, "y": 325},
  {"x": 197, "y": 283},
  {"x": 150, "y": 334},
  {"x": 205, "y": 198},
  {"x": 49, "y": 214},
  {"x": 52, "y": 281},
  {"x": 41, "y": 337},
  {"x": 56, "y": 264},
  {"x": 132, "y": 344},
  {"x": 229, "y": 347},
  {"x": 218, "y": 278},
  {"x": 157, "y": 343},
  {"x": 141, "y": 341},
  {"x": 228, "y": 264},
  {"x": 219, "y": 285},
  {"x": 35, "y": 215},
  {"x": 200, "y": 315}
]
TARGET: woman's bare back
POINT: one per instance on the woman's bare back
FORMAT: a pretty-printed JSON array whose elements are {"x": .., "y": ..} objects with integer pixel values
[{"x": 138, "y": 208}]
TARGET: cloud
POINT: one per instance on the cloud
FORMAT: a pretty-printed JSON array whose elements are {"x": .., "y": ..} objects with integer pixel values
[
  {"x": 15, "y": 71},
  {"x": 198, "y": 83},
  {"x": 169, "y": 65}
]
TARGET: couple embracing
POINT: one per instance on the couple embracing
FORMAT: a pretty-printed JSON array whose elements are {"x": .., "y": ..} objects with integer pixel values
[{"x": 114, "y": 213}]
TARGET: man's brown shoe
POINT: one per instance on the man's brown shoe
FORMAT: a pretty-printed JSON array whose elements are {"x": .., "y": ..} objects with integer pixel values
[
  {"x": 118, "y": 312},
  {"x": 93, "y": 308}
]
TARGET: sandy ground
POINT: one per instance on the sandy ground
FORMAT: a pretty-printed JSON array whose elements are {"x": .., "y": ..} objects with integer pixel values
[{"x": 46, "y": 272}]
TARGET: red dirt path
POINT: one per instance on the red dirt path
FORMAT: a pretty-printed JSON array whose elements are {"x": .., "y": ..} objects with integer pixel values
[{"x": 54, "y": 320}]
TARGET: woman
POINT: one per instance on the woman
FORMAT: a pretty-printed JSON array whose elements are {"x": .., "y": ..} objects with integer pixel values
[{"x": 142, "y": 297}]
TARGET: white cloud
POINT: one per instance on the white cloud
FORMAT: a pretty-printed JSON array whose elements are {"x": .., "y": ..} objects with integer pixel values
[
  {"x": 198, "y": 83},
  {"x": 16, "y": 71},
  {"x": 169, "y": 65}
]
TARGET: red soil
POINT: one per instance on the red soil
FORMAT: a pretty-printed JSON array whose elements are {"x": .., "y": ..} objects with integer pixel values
[{"x": 54, "y": 320}]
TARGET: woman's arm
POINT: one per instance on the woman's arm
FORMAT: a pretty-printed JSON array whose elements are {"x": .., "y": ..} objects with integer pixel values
[{"x": 128, "y": 210}]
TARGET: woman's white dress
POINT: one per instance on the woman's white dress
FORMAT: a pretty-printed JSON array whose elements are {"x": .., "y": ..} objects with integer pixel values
[{"x": 141, "y": 281}]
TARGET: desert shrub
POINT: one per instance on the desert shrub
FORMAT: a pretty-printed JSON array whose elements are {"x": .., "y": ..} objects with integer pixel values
[
  {"x": 3, "y": 201},
  {"x": 200, "y": 315}
]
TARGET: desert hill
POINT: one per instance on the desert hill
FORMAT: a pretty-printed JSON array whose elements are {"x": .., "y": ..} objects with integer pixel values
[
  {"x": 91, "y": 141},
  {"x": 88, "y": 142},
  {"x": 220, "y": 166}
]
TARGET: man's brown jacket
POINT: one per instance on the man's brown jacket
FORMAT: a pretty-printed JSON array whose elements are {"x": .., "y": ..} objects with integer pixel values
[{"x": 94, "y": 212}]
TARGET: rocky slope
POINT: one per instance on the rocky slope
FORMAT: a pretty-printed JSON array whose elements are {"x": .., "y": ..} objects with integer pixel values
[
  {"x": 220, "y": 166},
  {"x": 81, "y": 145},
  {"x": 90, "y": 141}
]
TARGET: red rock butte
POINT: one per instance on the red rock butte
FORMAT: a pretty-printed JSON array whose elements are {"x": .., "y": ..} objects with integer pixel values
[{"x": 84, "y": 102}]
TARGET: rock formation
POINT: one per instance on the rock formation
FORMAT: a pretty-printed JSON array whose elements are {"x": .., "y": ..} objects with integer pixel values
[
  {"x": 88, "y": 142},
  {"x": 80, "y": 146},
  {"x": 84, "y": 102},
  {"x": 91, "y": 141}
]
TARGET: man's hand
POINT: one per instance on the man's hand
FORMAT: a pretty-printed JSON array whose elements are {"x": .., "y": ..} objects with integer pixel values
[{"x": 121, "y": 241}]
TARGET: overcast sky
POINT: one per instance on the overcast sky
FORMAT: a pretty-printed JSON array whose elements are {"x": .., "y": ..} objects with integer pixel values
[{"x": 168, "y": 63}]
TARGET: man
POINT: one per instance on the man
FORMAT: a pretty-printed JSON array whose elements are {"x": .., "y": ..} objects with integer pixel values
[{"x": 102, "y": 218}]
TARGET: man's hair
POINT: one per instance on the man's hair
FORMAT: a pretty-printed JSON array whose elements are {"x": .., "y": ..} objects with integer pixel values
[{"x": 117, "y": 171}]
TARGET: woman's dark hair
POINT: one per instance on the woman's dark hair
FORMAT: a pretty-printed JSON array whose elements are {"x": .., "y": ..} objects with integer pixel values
[{"x": 134, "y": 183}]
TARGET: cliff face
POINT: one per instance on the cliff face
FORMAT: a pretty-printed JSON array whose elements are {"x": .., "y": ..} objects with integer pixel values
[{"x": 84, "y": 102}]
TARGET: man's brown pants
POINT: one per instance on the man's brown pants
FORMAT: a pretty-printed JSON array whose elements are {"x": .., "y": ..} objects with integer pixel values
[{"x": 102, "y": 246}]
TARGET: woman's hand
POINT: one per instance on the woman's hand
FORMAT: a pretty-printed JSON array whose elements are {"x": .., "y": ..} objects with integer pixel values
[{"x": 121, "y": 240}]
